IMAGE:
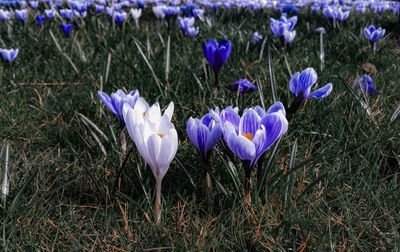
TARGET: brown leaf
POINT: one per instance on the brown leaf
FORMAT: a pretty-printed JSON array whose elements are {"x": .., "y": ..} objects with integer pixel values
[{"x": 370, "y": 68}]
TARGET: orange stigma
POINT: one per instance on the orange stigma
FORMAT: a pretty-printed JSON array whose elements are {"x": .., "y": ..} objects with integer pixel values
[
  {"x": 248, "y": 136},
  {"x": 160, "y": 135}
]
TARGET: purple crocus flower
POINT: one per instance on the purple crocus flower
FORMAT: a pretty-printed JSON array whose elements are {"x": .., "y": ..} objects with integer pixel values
[
  {"x": 34, "y": 4},
  {"x": 256, "y": 37},
  {"x": 217, "y": 53},
  {"x": 120, "y": 16},
  {"x": 284, "y": 28},
  {"x": 243, "y": 86},
  {"x": 278, "y": 27},
  {"x": 99, "y": 8},
  {"x": 301, "y": 84},
  {"x": 21, "y": 15},
  {"x": 250, "y": 135},
  {"x": 115, "y": 102},
  {"x": 367, "y": 85},
  {"x": 50, "y": 13},
  {"x": 374, "y": 34},
  {"x": 187, "y": 26},
  {"x": 336, "y": 13},
  {"x": 204, "y": 133},
  {"x": 66, "y": 29},
  {"x": 67, "y": 13},
  {"x": 40, "y": 20},
  {"x": 9, "y": 55},
  {"x": 5, "y": 15}
]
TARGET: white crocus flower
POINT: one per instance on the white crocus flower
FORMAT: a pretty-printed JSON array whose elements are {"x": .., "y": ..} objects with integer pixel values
[
  {"x": 155, "y": 138},
  {"x": 136, "y": 13}
]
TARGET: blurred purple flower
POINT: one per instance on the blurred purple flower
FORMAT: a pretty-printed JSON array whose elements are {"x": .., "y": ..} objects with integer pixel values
[
  {"x": 367, "y": 84},
  {"x": 21, "y": 15},
  {"x": 66, "y": 29},
  {"x": 256, "y": 37},
  {"x": 243, "y": 85},
  {"x": 40, "y": 20},
  {"x": 9, "y": 55}
]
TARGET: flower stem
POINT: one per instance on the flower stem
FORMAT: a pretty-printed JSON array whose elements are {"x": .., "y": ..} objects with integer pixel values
[
  {"x": 373, "y": 49},
  {"x": 157, "y": 202},
  {"x": 208, "y": 184},
  {"x": 321, "y": 50},
  {"x": 216, "y": 80},
  {"x": 247, "y": 187},
  {"x": 122, "y": 140}
]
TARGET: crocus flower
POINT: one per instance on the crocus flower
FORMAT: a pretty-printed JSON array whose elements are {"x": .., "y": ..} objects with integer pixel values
[
  {"x": 50, "y": 13},
  {"x": 256, "y": 37},
  {"x": 5, "y": 15},
  {"x": 250, "y": 135},
  {"x": 33, "y": 4},
  {"x": 136, "y": 13},
  {"x": 187, "y": 26},
  {"x": 21, "y": 15},
  {"x": 217, "y": 54},
  {"x": 99, "y": 8},
  {"x": 120, "y": 16},
  {"x": 9, "y": 55},
  {"x": 243, "y": 86},
  {"x": 278, "y": 27},
  {"x": 367, "y": 85},
  {"x": 154, "y": 135},
  {"x": 158, "y": 11},
  {"x": 156, "y": 140},
  {"x": 66, "y": 29},
  {"x": 301, "y": 84},
  {"x": 204, "y": 133},
  {"x": 40, "y": 19},
  {"x": 284, "y": 28},
  {"x": 67, "y": 13},
  {"x": 374, "y": 34},
  {"x": 336, "y": 13},
  {"x": 116, "y": 101}
]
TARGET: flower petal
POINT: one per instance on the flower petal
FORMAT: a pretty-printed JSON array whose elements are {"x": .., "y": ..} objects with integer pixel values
[
  {"x": 107, "y": 101},
  {"x": 230, "y": 115},
  {"x": 240, "y": 145},
  {"x": 153, "y": 146},
  {"x": 249, "y": 123},
  {"x": 307, "y": 78},
  {"x": 277, "y": 107},
  {"x": 321, "y": 92}
]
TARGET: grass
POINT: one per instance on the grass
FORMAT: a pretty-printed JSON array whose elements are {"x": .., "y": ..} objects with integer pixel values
[{"x": 342, "y": 189}]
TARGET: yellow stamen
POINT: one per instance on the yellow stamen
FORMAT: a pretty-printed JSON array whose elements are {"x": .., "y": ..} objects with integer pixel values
[
  {"x": 160, "y": 135},
  {"x": 248, "y": 136}
]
